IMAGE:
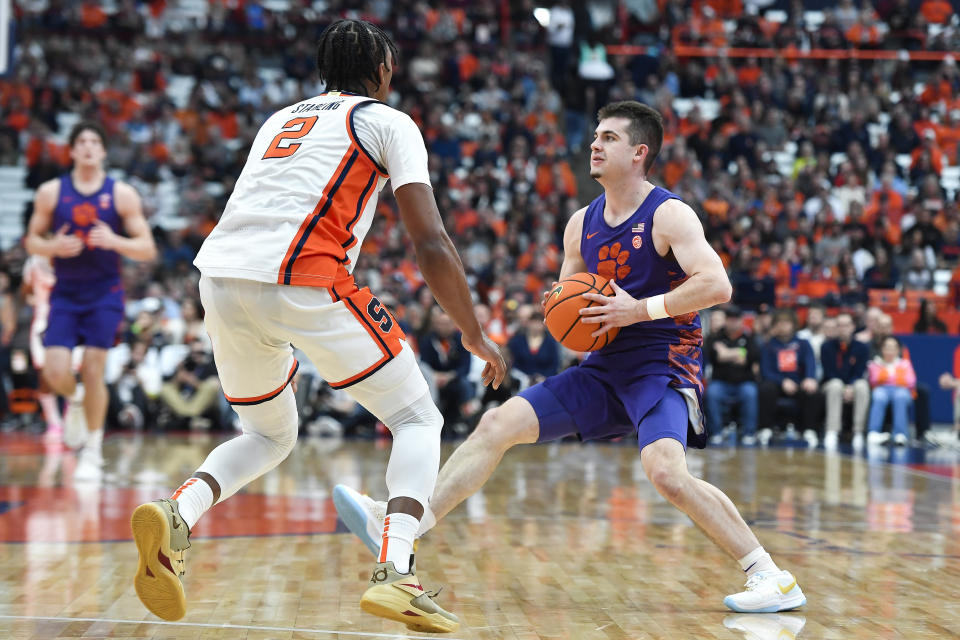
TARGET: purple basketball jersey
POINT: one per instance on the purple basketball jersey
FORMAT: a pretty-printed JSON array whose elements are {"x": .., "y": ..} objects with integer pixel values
[
  {"x": 625, "y": 253},
  {"x": 94, "y": 272}
]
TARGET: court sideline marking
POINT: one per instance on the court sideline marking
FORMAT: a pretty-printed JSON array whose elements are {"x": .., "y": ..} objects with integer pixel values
[{"x": 245, "y": 627}]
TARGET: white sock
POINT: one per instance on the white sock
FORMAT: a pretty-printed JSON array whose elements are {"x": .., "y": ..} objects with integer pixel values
[
  {"x": 94, "y": 444},
  {"x": 193, "y": 497},
  {"x": 757, "y": 560},
  {"x": 399, "y": 530},
  {"x": 427, "y": 522}
]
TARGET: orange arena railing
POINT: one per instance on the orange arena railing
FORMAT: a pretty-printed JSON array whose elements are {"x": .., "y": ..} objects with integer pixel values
[{"x": 687, "y": 51}]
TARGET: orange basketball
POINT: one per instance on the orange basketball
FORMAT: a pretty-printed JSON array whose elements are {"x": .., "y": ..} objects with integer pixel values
[{"x": 562, "y": 312}]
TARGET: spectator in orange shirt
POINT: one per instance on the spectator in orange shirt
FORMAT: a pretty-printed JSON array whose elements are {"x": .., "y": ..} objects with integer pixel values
[
  {"x": 864, "y": 33},
  {"x": 936, "y": 11},
  {"x": 928, "y": 146}
]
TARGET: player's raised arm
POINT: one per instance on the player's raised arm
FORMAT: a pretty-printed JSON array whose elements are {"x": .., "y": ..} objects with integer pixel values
[
  {"x": 138, "y": 245},
  {"x": 38, "y": 240},
  {"x": 443, "y": 271},
  {"x": 572, "y": 258},
  {"x": 677, "y": 228}
]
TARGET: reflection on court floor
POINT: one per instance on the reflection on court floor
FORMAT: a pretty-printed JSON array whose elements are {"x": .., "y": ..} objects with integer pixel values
[{"x": 566, "y": 541}]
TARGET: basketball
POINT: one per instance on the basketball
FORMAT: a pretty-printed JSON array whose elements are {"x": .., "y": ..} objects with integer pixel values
[{"x": 561, "y": 314}]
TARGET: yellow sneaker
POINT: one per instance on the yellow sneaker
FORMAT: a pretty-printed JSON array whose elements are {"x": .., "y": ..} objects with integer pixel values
[
  {"x": 162, "y": 537},
  {"x": 399, "y": 596}
]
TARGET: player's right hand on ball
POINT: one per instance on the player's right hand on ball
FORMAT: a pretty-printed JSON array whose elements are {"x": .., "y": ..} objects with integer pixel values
[
  {"x": 66, "y": 245},
  {"x": 546, "y": 295},
  {"x": 486, "y": 349}
]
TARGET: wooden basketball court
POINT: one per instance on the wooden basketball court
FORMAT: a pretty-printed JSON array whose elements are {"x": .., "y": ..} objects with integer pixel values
[{"x": 566, "y": 541}]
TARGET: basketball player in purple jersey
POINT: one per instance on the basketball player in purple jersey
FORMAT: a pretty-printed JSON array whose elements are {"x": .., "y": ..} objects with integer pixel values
[
  {"x": 647, "y": 382},
  {"x": 86, "y": 222}
]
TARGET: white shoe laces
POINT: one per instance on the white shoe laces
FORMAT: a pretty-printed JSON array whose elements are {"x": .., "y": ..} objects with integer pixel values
[
  {"x": 378, "y": 510},
  {"x": 754, "y": 581}
]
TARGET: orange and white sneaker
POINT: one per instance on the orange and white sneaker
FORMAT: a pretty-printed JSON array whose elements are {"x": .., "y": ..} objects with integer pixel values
[
  {"x": 399, "y": 596},
  {"x": 768, "y": 592},
  {"x": 162, "y": 538}
]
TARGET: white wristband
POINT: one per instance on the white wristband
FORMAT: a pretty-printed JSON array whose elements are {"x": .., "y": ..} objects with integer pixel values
[{"x": 657, "y": 308}]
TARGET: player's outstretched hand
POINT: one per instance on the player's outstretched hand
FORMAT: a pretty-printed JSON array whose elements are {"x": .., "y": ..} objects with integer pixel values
[
  {"x": 618, "y": 310},
  {"x": 66, "y": 245},
  {"x": 486, "y": 349},
  {"x": 102, "y": 236}
]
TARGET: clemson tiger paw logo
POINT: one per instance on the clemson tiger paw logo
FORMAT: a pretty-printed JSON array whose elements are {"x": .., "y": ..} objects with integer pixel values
[{"x": 613, "y": 262}]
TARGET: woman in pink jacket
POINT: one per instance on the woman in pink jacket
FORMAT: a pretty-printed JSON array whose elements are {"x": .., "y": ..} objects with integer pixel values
[{"x": 893, "y": 380}]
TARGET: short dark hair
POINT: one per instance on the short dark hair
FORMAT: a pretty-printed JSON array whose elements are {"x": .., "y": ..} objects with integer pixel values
[
  {"x": 87, "y": 125},
  {"x": 895, "y": 339},
  {"x": 785, "y": 314},
  {"x": 351, "y": 51},
  {"x": 646, "y": 125}
]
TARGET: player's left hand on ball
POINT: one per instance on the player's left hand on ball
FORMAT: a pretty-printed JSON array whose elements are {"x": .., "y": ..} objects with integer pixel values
[
  {"x": 618, "y": 310},
  {"x": 101, "y": 236}
]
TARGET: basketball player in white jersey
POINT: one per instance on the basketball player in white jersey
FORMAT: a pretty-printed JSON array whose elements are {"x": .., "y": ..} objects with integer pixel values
[
  {"x": 277, "y": 270},
  {"x": 38, "y": 281}
]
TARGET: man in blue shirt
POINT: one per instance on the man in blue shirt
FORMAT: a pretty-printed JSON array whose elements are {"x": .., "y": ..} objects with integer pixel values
[
  {"x": 788, "y": 371},
  {"x": 844, "y": 365}
]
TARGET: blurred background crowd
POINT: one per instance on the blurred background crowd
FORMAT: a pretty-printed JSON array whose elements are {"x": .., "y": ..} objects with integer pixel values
[{"x": 829, "y": 180}]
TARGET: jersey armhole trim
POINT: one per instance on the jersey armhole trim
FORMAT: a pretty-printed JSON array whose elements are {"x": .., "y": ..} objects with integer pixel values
[
  {"x": 356, "y": 139},
  {"x": 653, "y": 215}
]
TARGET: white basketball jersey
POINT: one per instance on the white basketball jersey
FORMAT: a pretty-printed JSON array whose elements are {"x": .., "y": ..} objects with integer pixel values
[{"x": 308, "y": 191}]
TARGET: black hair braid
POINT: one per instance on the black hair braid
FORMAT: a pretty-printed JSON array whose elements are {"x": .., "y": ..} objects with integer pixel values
[{"x": 351, "y": 51}]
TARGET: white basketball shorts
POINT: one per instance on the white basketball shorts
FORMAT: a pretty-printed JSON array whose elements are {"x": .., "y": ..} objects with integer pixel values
[{"x": 355, "y": 343}]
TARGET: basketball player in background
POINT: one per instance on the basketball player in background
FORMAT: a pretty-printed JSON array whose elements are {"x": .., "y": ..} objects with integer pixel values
[
  {"x": 276, "y": 270},
  {"x": 38, "y": 282},
  {"x": 647, "y": 382},
  {"x": 86, "y": 222}
]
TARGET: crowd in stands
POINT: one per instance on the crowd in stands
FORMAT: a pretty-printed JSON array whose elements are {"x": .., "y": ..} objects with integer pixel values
[
  {"x": 825, "y": 180},
  {"x": 823, "y": 383}
]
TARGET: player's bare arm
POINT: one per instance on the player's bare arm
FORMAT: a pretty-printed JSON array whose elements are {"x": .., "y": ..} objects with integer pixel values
[
  {"x": 39, "y": 240},
  {"x": 138, "y": 243},
  {"x": 443, "y": 271},
  {"x": 676, "y": 228},
  {"x": 572, "y": 258}
]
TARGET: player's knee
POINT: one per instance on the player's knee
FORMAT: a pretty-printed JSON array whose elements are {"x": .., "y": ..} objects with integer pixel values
[
  {"x": 91, "y": 370},
  {"x": 276, "y": 421},
  {"x": 668, "y": 482},
  {"x": 494, "y": 431}
]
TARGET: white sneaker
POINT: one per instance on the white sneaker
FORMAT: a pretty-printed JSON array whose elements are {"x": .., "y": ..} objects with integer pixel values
[
  {"x": 811, "y": 438},
  {"x": 362, "y": 514},
  {"x": 75, "y": 421},
  {"x": 900, "y": 439},
  {"x": 830, "y": 440},
  {"x": 89, "y": 467},
  {"x": 768, "y": 592},
  {"x": 763, "y": 436},
  {"x": 766, "y": 626},
  {"x": 749, "y": 441},
  {"x": 877, "y": 437},
  {"x": 857, "y": 442}
]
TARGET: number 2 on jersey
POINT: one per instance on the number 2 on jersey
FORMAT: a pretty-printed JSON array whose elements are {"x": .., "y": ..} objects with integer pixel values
[{"x": 298, "y": 127}]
